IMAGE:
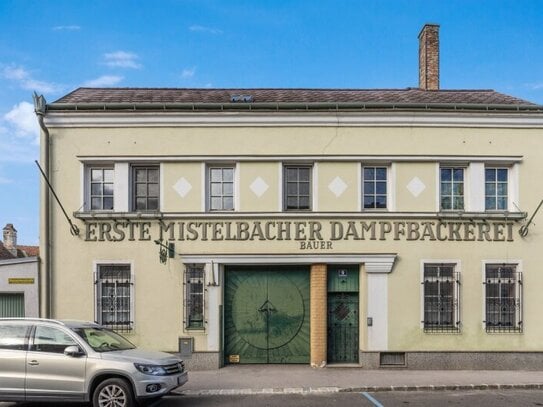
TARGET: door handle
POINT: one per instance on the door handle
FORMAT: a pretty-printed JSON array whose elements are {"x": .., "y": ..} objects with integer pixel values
[{"x": 33, "y": 363}]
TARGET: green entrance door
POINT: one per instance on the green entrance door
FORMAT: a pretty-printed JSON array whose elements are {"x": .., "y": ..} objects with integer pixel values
[
  {"x": 266, "y": 314},
  {"x": 343, "y": 315}
]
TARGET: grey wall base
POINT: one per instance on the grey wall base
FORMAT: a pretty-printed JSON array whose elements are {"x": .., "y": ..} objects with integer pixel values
[
  {"x": 202, "y": 361},
  {"x": 458, "y": 360},
  {"x": 413, "y": 360}
]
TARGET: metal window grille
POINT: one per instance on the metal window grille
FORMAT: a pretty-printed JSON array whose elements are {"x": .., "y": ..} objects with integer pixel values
[
  {"x": 496, "y": 189},
  {"x": 297, "y": 187},
  {"x": 452, "y": 188},
  {"x": 375, "y": 188},
  {"x": 101, "y": 188},
  {"x": 221, "y": 188},
  {"x": 503, "y": 298},
  {"x": 114, "y": 289},
  {"x": 145, "y": 183},
  {"x": 441, "y": 298},
  {"x": 194, "y": 296},
  {"x": 392, "y": 359}
]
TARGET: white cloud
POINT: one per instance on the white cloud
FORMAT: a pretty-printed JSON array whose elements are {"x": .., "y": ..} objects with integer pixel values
[
  {"x": 122, "y": 59},
  {"x": 19, "y": 136},
  {"x": 536, "y": 86},
  {"x": 188, "y": 72},
  {"x": 22, "y": 121},
  {"x": 5, "y": 180},
  {"x": 204, "y": 29},
  {"x": 66, "y": 28},
  {"x": 17, "y": 73},
  {"x": 13, "y": 150},
  {"x": 41, "y": 86},
  {"x": 103, "y": 81},
  {"x": 24, "y": 79}
]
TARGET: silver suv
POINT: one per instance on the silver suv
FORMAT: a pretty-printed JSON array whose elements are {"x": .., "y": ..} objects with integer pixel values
[{"x": 49, "y": 360}]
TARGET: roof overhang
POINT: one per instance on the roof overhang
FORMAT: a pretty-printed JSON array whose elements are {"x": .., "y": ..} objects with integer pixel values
[{"x": 294, "y": 118}]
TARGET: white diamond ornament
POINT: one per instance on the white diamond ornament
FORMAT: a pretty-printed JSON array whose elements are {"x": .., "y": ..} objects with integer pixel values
[
  {"x": 182, "y": 187},
  {"x": 337, "y": 186},
  {"x": 259, "y": 187},
  {"x": 416, "y": 187}
]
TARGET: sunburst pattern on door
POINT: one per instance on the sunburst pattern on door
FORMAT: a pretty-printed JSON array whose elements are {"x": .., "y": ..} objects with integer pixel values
[{"x": 267, "y": 314}]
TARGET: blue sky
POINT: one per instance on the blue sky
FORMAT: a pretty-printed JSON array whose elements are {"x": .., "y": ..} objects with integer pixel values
[{"x": 53, "y": 47}]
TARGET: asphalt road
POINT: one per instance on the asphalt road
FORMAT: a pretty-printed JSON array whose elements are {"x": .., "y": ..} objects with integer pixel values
[{"x": 480, "y": 398}]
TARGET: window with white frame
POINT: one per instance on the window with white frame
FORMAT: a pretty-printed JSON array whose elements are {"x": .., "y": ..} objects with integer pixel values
[
  {"x": 441, "y": 284},
  {"x": 297, "y": 187},
  {"x": 100, "y": 188},
  {"x": 221, "y": 188},
  {"x": 496, "y": 189},
  {"x": 145, "y": 188},
  {"x": 194, "y": 296},
  {"x": 374, "y": 187},
  {"x": 503, "y": 298},
  {"x": 114, "y": 296},
  {"x": 451, "y": 195}
]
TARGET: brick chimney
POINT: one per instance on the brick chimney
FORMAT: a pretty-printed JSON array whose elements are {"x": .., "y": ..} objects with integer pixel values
[
  {"x": 10, "y": 239},
  {"x": 429, "y": 57}
]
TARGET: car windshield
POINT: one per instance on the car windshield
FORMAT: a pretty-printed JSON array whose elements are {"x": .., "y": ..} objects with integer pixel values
[{"x": 103, "y": 339}]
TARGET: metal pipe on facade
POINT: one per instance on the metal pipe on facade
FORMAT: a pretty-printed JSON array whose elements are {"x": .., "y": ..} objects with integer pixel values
[{"x": 45, "y": 215}]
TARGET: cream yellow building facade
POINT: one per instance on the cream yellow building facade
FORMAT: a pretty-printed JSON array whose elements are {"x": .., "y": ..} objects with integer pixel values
[{"x": 376, "y": 228}]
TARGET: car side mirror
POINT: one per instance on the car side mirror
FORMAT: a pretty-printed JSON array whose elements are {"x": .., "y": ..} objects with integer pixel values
[{"x": 73, "y": 351}]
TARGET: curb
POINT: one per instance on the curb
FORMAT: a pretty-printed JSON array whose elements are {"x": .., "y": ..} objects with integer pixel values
[{"x": 362, "y": 389}]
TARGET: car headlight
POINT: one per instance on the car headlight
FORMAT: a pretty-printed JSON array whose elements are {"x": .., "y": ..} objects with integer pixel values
[{"x": 153, "y": 370}]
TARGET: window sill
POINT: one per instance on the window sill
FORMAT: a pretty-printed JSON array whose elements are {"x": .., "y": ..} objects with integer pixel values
[{"x": 453, "y": 215}]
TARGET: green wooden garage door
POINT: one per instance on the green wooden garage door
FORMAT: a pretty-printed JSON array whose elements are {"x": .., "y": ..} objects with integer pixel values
[
  {"x": 12, "y": 305},
  {"x": 266, "y": 318}
]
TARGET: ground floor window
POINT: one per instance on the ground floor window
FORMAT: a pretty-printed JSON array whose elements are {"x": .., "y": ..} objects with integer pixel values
[
  {"x": 503, "y": 298},
  {"x": 194, "y": 296},
  {"x": 441, "y": 284},
  {"x": 114, "y": 296},
  {"x": 12, "y": 305}
]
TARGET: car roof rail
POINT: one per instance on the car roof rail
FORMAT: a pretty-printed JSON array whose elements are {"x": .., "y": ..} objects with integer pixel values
[{"x": 32, "y": 319}]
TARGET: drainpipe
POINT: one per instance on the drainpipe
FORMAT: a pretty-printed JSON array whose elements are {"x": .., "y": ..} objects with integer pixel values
[{"x": 45, "y": 215}]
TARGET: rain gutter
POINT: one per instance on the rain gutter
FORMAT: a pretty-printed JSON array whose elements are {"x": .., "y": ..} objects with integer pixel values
[
  {"x": 297, "y": 107},
  {"x": 45, "y": 214}
]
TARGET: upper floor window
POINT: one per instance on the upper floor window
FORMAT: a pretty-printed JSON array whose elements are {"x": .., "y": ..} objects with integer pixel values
[
  {"x": 503, "y": 298},
  {"x": 221, "y": 188},
  {"x": 145, "y": 185},
  {"x": 441, "y": 293},
  {"x": 374, "y": 189},
  {"x": 496, "y": 180},
  {"x": 297, "y": 187},
  {"x": 451, "y": 196},
  {"x": 101, "y": 188}
]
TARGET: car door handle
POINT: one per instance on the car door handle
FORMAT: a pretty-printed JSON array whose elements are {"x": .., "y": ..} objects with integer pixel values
[{"x": 33, "y": 363}]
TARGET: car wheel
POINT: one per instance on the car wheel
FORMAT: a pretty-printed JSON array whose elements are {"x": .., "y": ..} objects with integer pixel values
[{"x": 113, "y": 393}]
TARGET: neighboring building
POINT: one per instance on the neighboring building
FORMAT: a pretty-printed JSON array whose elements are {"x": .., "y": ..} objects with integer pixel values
[
  {"x": 319, "y": 226},
  {"x": 19, "y": 284}
]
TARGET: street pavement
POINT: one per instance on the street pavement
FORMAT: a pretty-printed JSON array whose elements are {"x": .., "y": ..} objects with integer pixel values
[{"x": 303, "y": 379}]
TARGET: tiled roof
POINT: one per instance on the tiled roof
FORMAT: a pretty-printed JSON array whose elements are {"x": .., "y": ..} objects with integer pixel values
[
  {"x": 224, "y": 96},
  {"x": 29, "y": 251},
  {"x": 22, "y": 251},
  {"x": 5, "y": 253}
]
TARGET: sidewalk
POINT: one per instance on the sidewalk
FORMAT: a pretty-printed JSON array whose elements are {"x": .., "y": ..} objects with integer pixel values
[{"x": 255, "y": 379}]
